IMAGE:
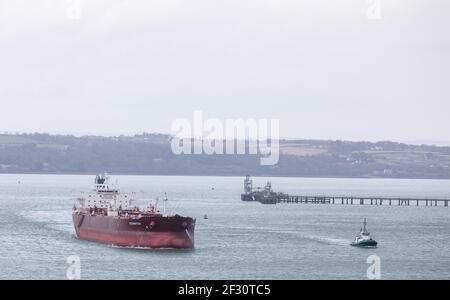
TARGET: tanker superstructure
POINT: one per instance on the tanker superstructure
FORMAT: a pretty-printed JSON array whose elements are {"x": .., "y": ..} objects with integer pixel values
[{"x": 106, "y": 215}]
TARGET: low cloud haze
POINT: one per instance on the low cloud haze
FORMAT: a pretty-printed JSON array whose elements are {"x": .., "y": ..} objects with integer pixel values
[{"x": 324, "y": 68}]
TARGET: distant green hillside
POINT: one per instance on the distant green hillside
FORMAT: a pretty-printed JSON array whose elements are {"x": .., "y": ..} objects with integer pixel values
[{"x": 151, "y": 154}]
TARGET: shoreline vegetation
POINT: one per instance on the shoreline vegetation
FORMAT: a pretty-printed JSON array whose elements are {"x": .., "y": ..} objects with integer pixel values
[{"x": 150, "y": 154}]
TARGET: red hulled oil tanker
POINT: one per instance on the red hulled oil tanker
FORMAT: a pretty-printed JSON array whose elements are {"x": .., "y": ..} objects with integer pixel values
[{"x": 106, "y": 215}]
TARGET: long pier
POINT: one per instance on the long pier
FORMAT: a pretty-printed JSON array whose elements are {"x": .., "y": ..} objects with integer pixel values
[
  {"x": 342, "y": 200},
  {"x": 267, "y": 196}
]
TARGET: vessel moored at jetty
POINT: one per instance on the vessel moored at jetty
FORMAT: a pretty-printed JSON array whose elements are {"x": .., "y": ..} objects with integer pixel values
[
  {"x": 263, "y": 195},
  {"x": 106, "y": 215}
]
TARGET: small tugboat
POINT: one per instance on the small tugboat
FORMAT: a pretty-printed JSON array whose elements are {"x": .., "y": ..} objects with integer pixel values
[{"x": 363, "y": 238}]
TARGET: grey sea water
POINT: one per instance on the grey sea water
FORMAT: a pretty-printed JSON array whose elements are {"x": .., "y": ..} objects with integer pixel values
[{"x": 238, "y": 240}]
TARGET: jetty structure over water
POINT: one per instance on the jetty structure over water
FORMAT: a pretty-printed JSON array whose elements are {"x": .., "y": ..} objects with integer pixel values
[{"x": 266, "y": 195}]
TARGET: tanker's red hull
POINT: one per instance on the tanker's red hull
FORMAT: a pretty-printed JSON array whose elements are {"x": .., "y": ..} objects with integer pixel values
[{"x": 146, "y": 231}]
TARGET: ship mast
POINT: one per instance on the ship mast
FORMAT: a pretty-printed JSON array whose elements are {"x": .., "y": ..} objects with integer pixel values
[{"x": 165, "y": 200}]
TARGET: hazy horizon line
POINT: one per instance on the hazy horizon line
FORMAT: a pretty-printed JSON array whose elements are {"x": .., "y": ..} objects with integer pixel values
[{"x": 428, "y": 142}]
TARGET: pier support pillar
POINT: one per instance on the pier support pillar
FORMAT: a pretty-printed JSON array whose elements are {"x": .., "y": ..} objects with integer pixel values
[
  {"x": 390, "y": 202},
  {"x": 446, "y": 203}
]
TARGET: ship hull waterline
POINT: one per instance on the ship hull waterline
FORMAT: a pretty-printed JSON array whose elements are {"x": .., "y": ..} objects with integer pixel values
[
  {"x": 365, "y": 244},
  {"x": 147, "y": 232}
]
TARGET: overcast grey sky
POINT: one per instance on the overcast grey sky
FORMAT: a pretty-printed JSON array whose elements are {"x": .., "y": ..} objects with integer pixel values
[{"x": 321, "y": 66}]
